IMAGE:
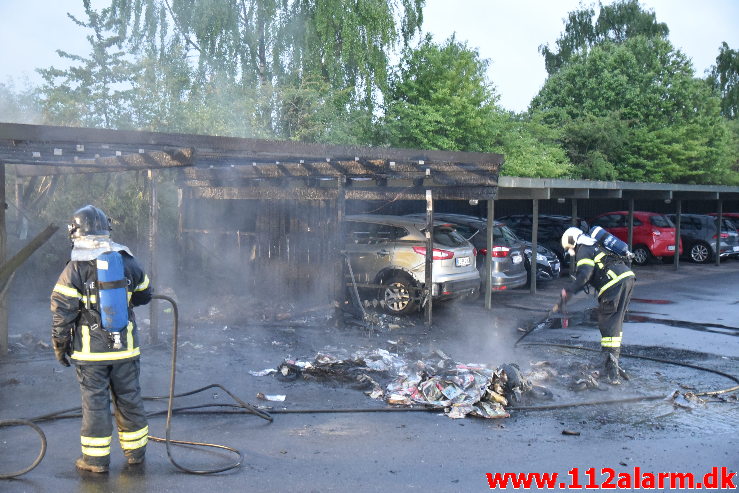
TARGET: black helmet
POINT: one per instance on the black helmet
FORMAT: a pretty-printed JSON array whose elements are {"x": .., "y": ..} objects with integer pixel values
[{"x": 89, "y": 220}]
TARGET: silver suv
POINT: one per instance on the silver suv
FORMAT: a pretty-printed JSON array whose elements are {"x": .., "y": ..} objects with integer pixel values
[{"x": 387, "y": 255}]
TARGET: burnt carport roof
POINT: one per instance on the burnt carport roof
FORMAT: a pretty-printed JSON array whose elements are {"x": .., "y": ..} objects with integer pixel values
[
  {"x": 510, "y": 187},
  {"x": 230, "y": 167}
]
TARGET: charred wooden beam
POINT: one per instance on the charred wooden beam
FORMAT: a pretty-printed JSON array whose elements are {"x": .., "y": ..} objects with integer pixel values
[
  {"x": 266, "y": 150},
  {"x": 438, "y": 173},
  {"x": 265, "y": 191},
  {"x": 62, "y": 164}
]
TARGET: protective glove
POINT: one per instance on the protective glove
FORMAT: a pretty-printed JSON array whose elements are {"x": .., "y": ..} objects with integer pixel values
[{"x": 62, "y": 348}]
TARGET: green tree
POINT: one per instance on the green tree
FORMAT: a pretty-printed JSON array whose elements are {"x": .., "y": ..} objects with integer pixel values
[
  {"x": 617, "y": 22},
  {"x": 19, "y": 105},
  {"x": 277, "y": 52},
  {"x": 97, "y": 91},
  {"x": 724, "y": 77},
  {"x": 530, "y": 148},
  {"x": 665, "y": 124},
  {"x": 440, "y": 98}
]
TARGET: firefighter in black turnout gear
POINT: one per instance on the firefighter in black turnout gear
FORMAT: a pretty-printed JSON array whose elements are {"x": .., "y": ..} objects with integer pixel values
[
  {"x": 613, "y": 282},
  {"x": 86, "y": 305}
]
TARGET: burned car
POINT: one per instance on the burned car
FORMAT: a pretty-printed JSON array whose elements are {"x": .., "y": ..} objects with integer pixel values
[{"x": 387, "y": 255}]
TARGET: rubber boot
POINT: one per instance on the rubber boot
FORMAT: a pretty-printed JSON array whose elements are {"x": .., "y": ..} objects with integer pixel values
[
  {"x": 612, "y": 371},
  {"x": 82, "y": 464}
]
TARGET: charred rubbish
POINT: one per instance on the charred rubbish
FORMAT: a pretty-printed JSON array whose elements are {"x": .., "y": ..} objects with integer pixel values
[{"x": 432, "y": 380}]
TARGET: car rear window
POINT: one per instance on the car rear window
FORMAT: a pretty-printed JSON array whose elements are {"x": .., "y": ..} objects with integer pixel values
[
  {"x": 662, "y": 222},
  {"x": 506, "y": 233},
  {"x": 448, "y": 236},
  {"x": 466, "y": 231}
]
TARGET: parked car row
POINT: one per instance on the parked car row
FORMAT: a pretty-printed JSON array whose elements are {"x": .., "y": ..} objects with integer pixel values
[
  {"x": 387, "y": 253},
  {"x": 653, "y": 234}
]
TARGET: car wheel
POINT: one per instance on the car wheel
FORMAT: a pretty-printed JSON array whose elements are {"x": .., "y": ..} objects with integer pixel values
[
  {"x": 641, "y": 255},
  {"x": 398, "y": 296},
  {"x": 700, "y": 253}
]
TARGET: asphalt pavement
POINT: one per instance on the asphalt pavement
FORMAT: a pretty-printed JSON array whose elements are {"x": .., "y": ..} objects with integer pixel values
[{"x": 689, "y": 316}]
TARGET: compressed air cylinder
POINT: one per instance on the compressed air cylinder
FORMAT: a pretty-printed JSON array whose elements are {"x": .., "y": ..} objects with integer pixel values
[
  {"x": 609, "y": 241},
  {"x": 113, "y": 303}
]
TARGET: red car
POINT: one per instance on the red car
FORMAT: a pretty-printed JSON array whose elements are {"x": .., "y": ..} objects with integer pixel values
[
  {"x": 654, "y": 234},
  {"x": 734, "y": 216}
]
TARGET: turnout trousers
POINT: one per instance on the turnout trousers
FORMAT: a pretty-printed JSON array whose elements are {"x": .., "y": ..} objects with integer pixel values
[
  {"x": 97, "y": 384},
  {"x": 611, "y": 312}
]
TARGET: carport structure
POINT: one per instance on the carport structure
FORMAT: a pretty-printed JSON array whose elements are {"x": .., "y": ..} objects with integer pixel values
[
  {"x": 671, "y": 195},
  {"x": 223, "y": 173},
  {"x": 316, "y": 179}
]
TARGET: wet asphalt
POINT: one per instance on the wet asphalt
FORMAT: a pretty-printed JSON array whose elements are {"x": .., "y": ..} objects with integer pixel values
[{"x": 689, "y": 316}]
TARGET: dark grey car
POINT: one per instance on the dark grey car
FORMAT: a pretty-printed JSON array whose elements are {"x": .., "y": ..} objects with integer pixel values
[
  {"x": 698, "y": 234},
  {"x": 549, "y": 232}
]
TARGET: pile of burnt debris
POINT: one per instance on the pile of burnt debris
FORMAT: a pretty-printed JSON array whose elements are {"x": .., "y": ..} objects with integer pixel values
[{"x": 433, "y": 380}]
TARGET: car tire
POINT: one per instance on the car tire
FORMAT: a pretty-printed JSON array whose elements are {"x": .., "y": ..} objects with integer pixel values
[
  {"x": 642, "y": 255},
  {"x": 398, "y": 297},
  {"x": 701, "y": 253}
]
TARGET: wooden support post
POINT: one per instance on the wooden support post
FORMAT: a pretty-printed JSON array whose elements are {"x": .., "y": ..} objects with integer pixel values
[
  {"x": 153, "y": 273},
  {"x": 534, "y": 243},
  {"x": 630, "y": 232},
  {"x": 339, "y": 242},
  {"x": 719, "y": 220},
  {"x": 3, "y": 303},
  {"x": 487, "y": 284},
  {"x": 428, "y": 292},
  {"x": 678, "y": 212}
]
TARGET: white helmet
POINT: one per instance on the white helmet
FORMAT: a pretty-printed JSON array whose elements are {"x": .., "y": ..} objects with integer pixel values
[{"x": 569, "y": 239}]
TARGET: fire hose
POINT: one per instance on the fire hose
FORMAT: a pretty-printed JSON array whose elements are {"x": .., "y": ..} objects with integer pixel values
[
  {"x": 243, "y": 408},
  {"x": 167, "y": 440}
]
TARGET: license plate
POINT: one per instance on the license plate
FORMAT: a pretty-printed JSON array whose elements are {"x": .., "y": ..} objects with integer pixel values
[
  {"x": 736, "y": 248},
  {"x": 462, "y": 261},
  {"x": 671, "y": 248}
]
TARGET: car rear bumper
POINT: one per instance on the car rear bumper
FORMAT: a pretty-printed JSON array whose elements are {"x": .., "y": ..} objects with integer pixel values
[
  {"x": 454, "y": 289},
  {"x": 665, "y": 250},
  {"x": 502, "y": 280}
]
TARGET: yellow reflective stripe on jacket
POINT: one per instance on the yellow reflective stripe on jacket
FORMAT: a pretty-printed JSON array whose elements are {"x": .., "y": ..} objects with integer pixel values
[
  {"x": 133, "y": 435},
  {"x": 67, "y": 291},
  {"x": 614, "y": 281},
  {"x": 96, "y": 441},
  {"x": 96, "y": 451},
  {"x": 144, "y": 284},
  {"x": 610, "y": 341},
  {"x": 585, "y": 261},
  {"x": 93, "y": 299},
  {"x": 86, "y": 355},
  {"x": 599, "y": 256},
  {"x": 85, "y": 339}
]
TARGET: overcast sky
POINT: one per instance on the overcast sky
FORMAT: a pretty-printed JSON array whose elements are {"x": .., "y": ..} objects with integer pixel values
[{"x": 508, "y": 33}]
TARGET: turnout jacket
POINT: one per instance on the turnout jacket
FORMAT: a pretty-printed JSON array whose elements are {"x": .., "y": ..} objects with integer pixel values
[
  {"x": 600, "y": 269},
  {"x": 71, "y": 319}
]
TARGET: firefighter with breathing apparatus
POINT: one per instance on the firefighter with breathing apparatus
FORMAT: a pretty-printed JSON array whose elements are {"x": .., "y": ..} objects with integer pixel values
[
  {"x": 93, "y": 324},
  {"x": 600, "y": 262}
]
